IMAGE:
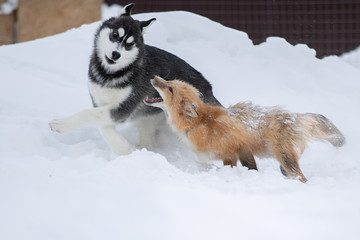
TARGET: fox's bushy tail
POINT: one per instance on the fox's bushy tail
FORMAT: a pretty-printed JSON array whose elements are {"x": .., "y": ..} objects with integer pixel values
[{"x": 318, "y": 127}]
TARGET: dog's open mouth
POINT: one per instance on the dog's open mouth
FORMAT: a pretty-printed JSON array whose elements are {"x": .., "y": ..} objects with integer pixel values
[
  {"x": 153, "y": 100},
  {"x": 109, "y": 61}
]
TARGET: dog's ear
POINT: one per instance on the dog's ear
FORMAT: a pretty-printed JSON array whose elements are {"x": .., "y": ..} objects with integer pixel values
[
  {"x": 145, "y": 24},
  {"x": 190, "y": 110},
  {"x": 126, "y": 11}
]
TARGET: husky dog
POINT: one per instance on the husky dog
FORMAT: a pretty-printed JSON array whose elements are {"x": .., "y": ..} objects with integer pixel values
[
  {"x": 120, "y": 70},
  {"x": 242, "y": 130}
]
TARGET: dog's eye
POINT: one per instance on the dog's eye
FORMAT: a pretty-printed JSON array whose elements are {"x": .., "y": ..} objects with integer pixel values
[
  {"x": 129, "y": 44},
  {"x": 129, "y": 41},
  {"x": 115, "y": 34},
  {"x": 170, "y": 89}
]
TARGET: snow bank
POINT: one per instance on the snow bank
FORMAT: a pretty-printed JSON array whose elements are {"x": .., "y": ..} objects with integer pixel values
[
  {"x": 352, "y": 57},
  {"x": 71, "y": 186},
  {"x": 9, "y": 6}
]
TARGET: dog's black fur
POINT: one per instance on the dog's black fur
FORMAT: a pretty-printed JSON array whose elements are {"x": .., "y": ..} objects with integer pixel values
[{"x": 150, "y": 62}]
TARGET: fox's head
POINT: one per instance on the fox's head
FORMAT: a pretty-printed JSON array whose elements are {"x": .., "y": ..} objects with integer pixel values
[
  {"x": 119, "y": 40},
  {"x": 179, "y": 100}
]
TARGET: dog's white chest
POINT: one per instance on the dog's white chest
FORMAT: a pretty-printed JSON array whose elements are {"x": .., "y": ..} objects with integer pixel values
[{"x": 103, "y": 96}]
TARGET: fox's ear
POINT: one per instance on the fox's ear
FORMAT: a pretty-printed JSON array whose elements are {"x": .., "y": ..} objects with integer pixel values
[
  {"x": 145, "y": 24},
  {"x": 126, "y": 11},
  {"x": 191, "y": 111}
]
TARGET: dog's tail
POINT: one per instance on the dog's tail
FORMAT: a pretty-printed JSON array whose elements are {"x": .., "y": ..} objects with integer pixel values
[{"x": 318, "y": 127}]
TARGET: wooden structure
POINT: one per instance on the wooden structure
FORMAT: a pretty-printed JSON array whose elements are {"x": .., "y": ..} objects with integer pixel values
[
  {"x": 40, "y": 18},
  {"x": 328, "y": 26}
]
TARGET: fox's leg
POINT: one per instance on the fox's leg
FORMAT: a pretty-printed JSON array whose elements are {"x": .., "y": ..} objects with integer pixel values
[
  {"x": 289, "y": 163},
  {"x": 231, "y": 162},
  {"x": 95, "y": 117},
  {"x": 283, "y": 171},
  {"x": 247, "y": 158}
]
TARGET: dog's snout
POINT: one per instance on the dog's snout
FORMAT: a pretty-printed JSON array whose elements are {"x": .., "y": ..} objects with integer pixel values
[{"x": 115, "y": 55}]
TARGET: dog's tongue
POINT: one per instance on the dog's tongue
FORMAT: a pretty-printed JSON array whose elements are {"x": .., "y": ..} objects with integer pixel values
[{"x": 153, "y": 100}]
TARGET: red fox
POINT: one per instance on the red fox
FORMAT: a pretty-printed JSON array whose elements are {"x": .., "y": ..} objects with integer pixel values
[{"x": 242, "y": 130}]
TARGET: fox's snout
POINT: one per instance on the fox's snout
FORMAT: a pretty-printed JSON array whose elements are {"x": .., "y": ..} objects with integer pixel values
[
  {"x": 158, "y": 82},
  {"x": 153, "y": 82}
]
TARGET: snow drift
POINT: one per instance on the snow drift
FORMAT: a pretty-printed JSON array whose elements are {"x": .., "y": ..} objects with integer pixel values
[{"x": 71, "y": 186}]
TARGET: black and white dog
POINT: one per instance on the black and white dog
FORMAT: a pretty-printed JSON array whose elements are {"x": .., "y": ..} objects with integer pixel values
[{"x": 120, "y": 70}]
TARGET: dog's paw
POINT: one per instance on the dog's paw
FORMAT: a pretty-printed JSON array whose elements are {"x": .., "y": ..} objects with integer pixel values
[
  {"x": 60, "y": 126},
  {"x": 147, "y": 143},
  {"x": 122, "y": 150}
]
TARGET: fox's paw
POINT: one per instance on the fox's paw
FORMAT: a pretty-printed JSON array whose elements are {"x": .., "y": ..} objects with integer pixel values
[{"x": 60, "y": 126}]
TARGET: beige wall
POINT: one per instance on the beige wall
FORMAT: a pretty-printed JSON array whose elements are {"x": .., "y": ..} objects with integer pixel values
[
  {"x": 6, "y": 27},
  {"x": 41, "y": 18}
]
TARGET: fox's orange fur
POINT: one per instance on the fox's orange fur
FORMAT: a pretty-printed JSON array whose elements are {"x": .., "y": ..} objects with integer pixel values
[{"x": 244, "y": 129}]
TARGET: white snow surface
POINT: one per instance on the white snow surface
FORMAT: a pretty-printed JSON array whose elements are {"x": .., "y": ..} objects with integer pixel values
[
  {"x": 352, "y": 57},
  {"x": 9, "y": 6},
  {"x": 72, "y": 187}
]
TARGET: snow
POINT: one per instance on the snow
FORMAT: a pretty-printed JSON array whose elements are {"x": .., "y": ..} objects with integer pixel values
[
  {"x": 71, "y": 186},
  {"x": 9, "y": 6},
  {"x": 352, "y": 57}
]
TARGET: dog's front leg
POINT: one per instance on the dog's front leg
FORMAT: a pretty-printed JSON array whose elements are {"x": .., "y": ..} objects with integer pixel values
[
  {"x": 148, "y": 130},
  {"x": 95, "y": 117},
  {"x": 117, "y": 143}
]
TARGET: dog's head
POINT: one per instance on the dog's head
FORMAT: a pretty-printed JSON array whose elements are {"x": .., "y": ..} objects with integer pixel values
[
  {"x": 119, "y": 41},
  {"x": 178, "y": 99}
]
